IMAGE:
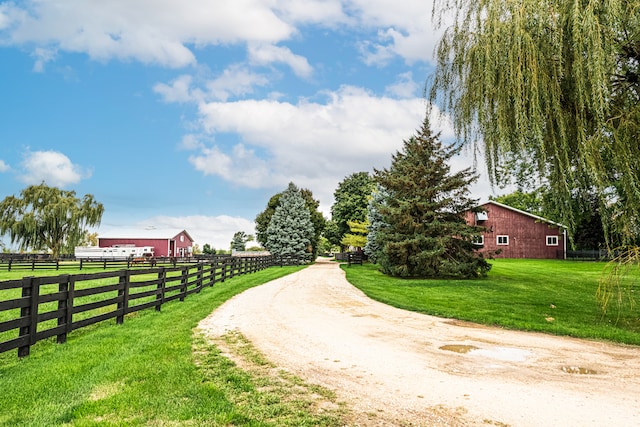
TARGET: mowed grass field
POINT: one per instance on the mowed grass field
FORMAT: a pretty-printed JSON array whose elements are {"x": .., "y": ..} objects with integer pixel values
[
  {"x": 156, "y": 369},
  {"x": 552, "y": 296}
]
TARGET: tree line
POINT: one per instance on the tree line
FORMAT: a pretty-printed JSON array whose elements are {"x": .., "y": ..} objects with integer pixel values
[{"x": 547, "y": 90}]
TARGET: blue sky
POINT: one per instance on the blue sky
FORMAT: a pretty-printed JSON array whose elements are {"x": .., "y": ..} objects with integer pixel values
[{"x": 191, "y": 114}]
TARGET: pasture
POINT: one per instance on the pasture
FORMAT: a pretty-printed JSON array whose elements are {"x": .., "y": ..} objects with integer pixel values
[{"x": 152, "y": 370}]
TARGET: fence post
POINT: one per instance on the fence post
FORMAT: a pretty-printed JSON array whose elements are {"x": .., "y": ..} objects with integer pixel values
[
  {"x": 232, "y": 267},
  {"x": 123, "y": 291},
  {"x": 199, "y": 278},
  {"x": 63, "y": 308},
  {"x": 29, "y": 290},
  {"x": 183, "y": 283},
  {"x": 212, "y": 273},
  {"x": 162, "y": 283},
  {"x": 70, "y": 298},
  {"x": 9, "y": 266},
  {"x": 223, "y": 273}
]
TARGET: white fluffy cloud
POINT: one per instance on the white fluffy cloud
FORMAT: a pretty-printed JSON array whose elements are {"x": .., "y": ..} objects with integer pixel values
[
  {"x": 313, "y": 144},
  {"x": 169, "y": 32},
  {"x": 52, "y": 167},
  {"x": 3, "y": 166},
  {"x": 145, "y": 30},
  {"x": 264, "y": 54},
  {"x": 217, "y": 231}
]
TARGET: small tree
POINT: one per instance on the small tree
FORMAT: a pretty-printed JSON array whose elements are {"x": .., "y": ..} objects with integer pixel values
[
  {"x": 319, "y": 223},
  {"x": 47, "y": 217},
  {"x": 373, "y": 248},
  {"x": 239, "y": 241},
  {"x": 350, "y": 204},
  {"x": 357, "y": 238},
  {"x": 426, "y": 234},
  {"x": 290, "y": 230}
]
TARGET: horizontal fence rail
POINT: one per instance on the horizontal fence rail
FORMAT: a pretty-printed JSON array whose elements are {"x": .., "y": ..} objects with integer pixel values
[
  {"x": 36, "y": 308},
  {"x": 11, "y": 263}
]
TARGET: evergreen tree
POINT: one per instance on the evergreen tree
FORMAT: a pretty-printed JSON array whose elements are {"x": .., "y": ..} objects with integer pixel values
[
  {"x": 290, "y": 230},
  {"x": 426, "y": 234},
  {"x": 373, "y": 247},
  {"x": 319, "y": 223},
  {"x": 239, "y": 241}
]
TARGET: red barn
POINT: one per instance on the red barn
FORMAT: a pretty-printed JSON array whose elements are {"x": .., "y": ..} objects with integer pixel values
[
  {"x": 165, "y": 243},
  {"x": 518, "y": 234}
]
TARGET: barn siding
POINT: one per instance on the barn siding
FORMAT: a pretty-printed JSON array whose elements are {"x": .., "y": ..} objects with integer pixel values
[
  {"x": 178, "y": 245},
  {"x": 527, "y": 235}
]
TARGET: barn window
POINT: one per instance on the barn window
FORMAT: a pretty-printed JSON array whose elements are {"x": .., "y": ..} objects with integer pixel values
[
  {"x": 502, "y": 240},
  {"x": 481, "y": 216},
  {"x": 552, "y": 240},
  {"x": 478, "y": 240},
  {"x": 182, "y": 238}
]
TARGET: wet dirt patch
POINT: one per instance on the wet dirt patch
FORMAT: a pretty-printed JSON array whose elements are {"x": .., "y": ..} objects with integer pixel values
[
  {"x": 578, "y": 370},
  {"x": 463, "y": 324},
  {"x": 459, "y": 348}
]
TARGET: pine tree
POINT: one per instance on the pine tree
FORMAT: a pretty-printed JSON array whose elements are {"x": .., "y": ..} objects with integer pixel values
[
  {"x": 239, "y": 241},
  {"x": 317, "y": 219},
  {"x": 373, "y": 247},
  {"x": 290, "y": 229},
  {"x": 426, "y": 234}
]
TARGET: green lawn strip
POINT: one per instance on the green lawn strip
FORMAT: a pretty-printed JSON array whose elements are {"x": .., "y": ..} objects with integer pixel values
[
  {"x": 551, "y": 296},
  {"x": 151, "y": 370}
]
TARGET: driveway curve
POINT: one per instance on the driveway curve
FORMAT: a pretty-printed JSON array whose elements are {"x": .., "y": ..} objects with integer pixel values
[{"x": 394, "y": 368}]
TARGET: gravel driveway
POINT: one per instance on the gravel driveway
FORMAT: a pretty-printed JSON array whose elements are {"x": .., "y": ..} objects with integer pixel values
[{"x": 396, "y": 368}]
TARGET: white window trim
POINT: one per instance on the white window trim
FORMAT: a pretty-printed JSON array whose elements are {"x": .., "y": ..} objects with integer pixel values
[
  {"x": 478, "y": 240},
  {"x": 556, "y": 241},
  {"x": 498, "y": 240}
]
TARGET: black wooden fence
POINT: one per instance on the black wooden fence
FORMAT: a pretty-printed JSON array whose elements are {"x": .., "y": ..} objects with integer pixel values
[
  {"x": 36, "y": 308},
  {"x": 44, "y": 263}
]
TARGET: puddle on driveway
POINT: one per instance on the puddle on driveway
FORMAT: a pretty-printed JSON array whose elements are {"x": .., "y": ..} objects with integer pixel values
[
  {"x": 578, "y": 370},
  {"x": 459, "y": 348},
  {"x": 498, "y": 353}
]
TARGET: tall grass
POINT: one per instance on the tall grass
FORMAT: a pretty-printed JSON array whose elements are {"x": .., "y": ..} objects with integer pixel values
[{"x": 552, "y": 296}]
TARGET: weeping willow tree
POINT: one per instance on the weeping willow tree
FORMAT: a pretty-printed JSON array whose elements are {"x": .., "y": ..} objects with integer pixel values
[
  {"x": 47, "y": 217},
  {"x": 549, "y": 86}
]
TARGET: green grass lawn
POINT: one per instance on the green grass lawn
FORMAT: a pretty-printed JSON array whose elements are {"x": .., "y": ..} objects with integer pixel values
[
  {"x": 152, "y": 370},
  {"x": 155, "y": 370},
  {"x": 557, "y": 297}
]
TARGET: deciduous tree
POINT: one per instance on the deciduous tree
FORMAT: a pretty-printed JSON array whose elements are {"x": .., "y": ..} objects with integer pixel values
[
  {"x": 48, "y": 217},
  {"x": 553, "y": 84},
  {"x": 357, "y": 236},
  {"x": 350, "y": 203}
]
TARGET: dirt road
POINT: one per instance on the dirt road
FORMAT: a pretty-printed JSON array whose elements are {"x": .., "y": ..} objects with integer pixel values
[{"x": 396, "y": 368}]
